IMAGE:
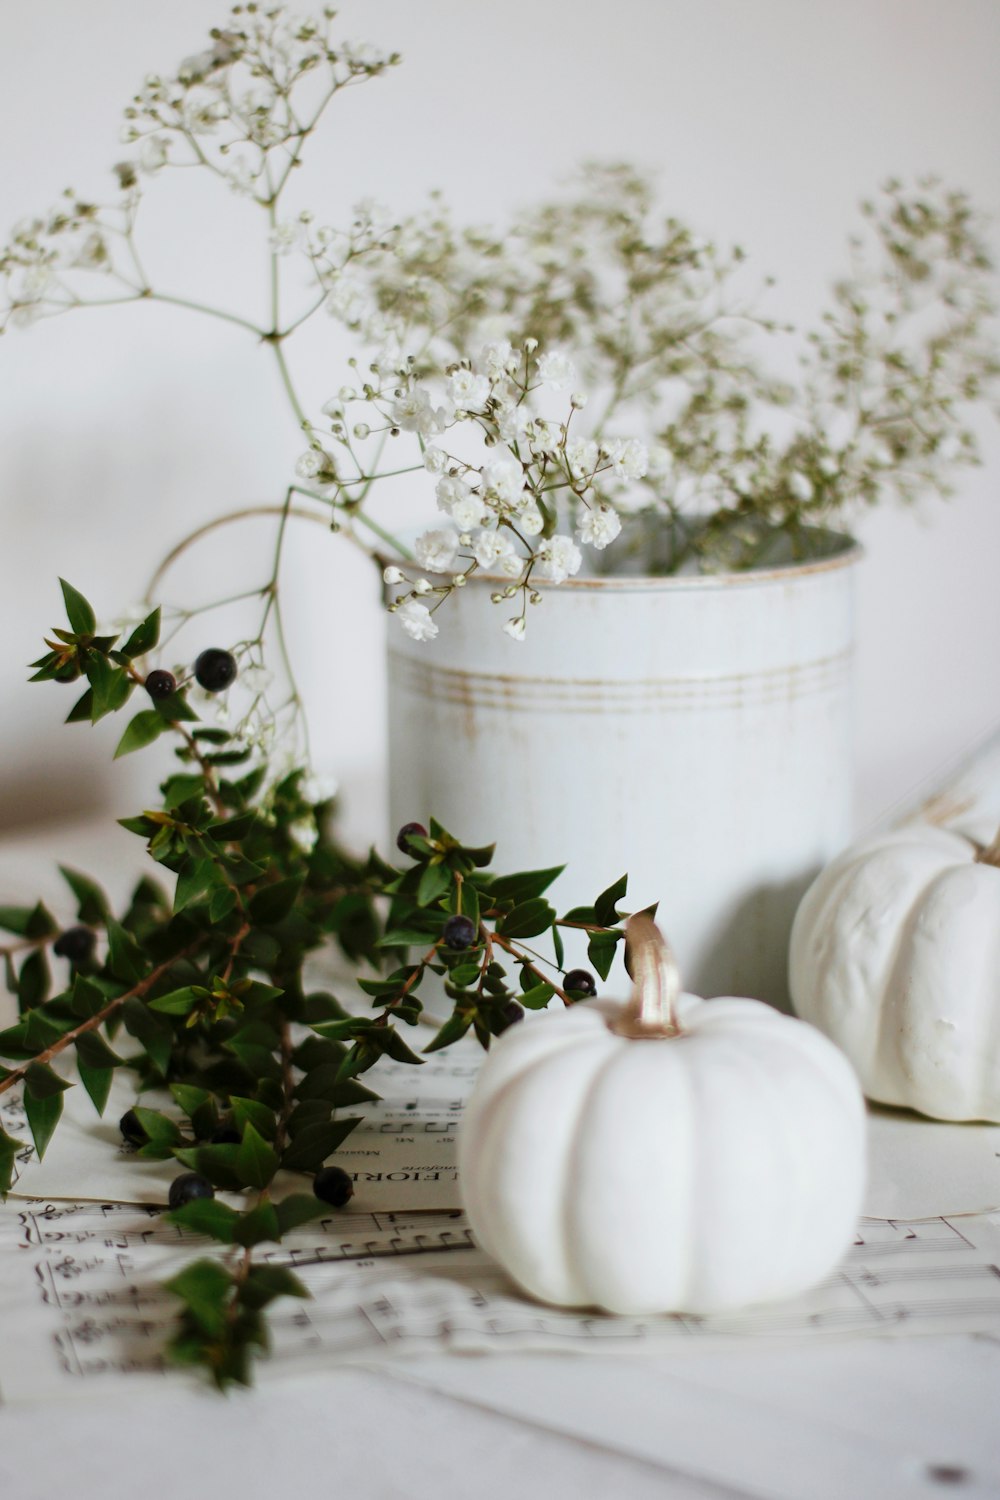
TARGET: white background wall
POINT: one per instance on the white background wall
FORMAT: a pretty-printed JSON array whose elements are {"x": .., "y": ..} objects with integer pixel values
[{"x": 766, "y": 119}]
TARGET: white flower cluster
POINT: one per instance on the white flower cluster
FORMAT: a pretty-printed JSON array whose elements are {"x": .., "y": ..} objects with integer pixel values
[{"x": 506, "y": 504}]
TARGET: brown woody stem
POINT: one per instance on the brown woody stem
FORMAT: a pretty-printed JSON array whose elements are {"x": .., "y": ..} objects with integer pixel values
[{"x": 136, "y": 992}]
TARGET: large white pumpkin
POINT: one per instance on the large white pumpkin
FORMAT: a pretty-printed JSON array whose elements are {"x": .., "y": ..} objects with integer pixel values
[
  {"x": 666, "y": 1155},
  {"x": 895, "y": 954}
]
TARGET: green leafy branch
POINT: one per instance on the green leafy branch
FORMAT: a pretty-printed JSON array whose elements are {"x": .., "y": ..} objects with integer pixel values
[{"x": 202, "y": 993}]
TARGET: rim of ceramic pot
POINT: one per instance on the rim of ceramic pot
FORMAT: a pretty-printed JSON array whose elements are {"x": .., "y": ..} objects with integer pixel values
[{"x": 849, "y": 551}]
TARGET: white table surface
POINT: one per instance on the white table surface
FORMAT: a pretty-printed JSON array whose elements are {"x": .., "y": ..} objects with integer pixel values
[{"x": 848, "y": 1420}]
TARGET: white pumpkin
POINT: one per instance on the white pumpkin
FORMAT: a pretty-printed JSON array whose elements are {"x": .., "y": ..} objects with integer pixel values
[
  {"x": 895, "y": 954},
  {"x": 666, "y": 1155}
]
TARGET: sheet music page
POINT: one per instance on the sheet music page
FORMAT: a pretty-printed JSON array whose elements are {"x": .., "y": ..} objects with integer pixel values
[
  {"x": 403, "y": 1156},
  {"x": 82, "y": 1309}
]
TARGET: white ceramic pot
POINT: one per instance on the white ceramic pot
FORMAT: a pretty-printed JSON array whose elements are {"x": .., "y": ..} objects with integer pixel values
[{"x": 693, "y": 731}]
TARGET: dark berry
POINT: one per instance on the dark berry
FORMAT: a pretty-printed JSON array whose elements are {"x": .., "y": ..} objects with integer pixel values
[
  {"x": 333, "y": 1185},
  {"x": 459, "y": 932},
  {"x": 580, "y": 982},
  {"x": 131, "y": 1129},
  {"x": 407, "y": 832},
  {"x": 187, "y": 1187},
  {"x": 76, "y": 944},
  {"x": 215, "y": 669},
  {"x": 225, "y": 1134},
  {"x": 511, "y": 1014},
  {"x": 160, "y": 684}
]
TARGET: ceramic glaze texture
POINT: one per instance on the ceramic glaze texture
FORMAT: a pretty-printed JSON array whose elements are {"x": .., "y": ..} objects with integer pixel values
[
  {"x": 895, "y": 954},
  {"x": 697, "y": 1173},
  {"x": 695, "y": 732}
]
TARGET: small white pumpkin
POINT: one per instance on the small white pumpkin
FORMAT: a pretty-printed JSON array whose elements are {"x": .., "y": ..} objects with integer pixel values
[
  {"x": 666, "y": 1155},
  {"x": 895, "y": 954}
]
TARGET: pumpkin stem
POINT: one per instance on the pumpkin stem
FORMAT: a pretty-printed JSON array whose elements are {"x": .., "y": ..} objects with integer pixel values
[
  {"x": 990, "y": 853},
  {"x": 652, "y": 1011}
]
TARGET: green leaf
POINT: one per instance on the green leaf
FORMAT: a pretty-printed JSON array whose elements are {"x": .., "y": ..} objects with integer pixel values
[
  {"x": 9, "y": 1148},
  {"x": 264, "y": 1284},
  {"x": 452, "y": 1031},
  {"x": 194, "y": 880},
  {"x": 435, "y": 880},
  {"x": 538, "y": 997},
  {"x": 125, "y": 957},
  {"x": 204, "y": 1288},
  {"x": 312, "y": 1146},
  {"x": 79, "y": 613},
  {"x": 93, "y": 1051},
  {"x": 221, "y": 903},
  {"x": 15, "y": 919},
  {"x": 392, "y": 1043},
  {"x": 155, "y": 1035},
  {"x": 256, "y": 1226},
  {"x": 97, "y": 1082},
  {"x": 406, "y": 937},
  {"x": 606, "y": 905},
  {"x": 87, "y": 998},
  {"x": 256, "y": 1160},
  {"x": 463, "y": 974},
  {"x": 297, "y": 1209},
  {"x": 527, "y": 920},
  {"x": 34, "y": 980},
  {"x": 43, "y": 1117},
  {"x": 42, "y": 1083},
  {"x": 272, "y": 902},
  {"x": 42, "y": 1030},
  {"x": 217, "y": 1163},
  {"x": 251, "y": 1111},
  {"x": 181, "y": 788},
  {"x": 601, "y": 952},
  {"x": 110, "y": 686},
  {"x": 41, "y": 923},
  {"x": 144, "y": 637},
  {"x": 82, "y": 709},
  {"x": 161, "y": 1130},
  {"x": 146, "y": 727},
  {"x": 525, "y": 886},
  {"x": 206, "y": 1216},
  {"x": 190, "y": 1098},
  {"x": 178, "y": 1003},
  {"x": 92, "y": 904}
]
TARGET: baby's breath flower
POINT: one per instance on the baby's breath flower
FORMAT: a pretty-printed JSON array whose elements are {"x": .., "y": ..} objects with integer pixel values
[
  {"x": 416, "y": 620},
  {"x": 415, "y": 412},
  {"x": 286, "y": 236},
  {"x": 392, "y": 574},
  {"x": 496, "y": 358},
  {"x": 491, "y": 547},
  {"x": 531, "y": 521},
  {"x": 557, "y": 559},
  {"x": 599, "y": 526},
  {"x": 556, "y": 370},
  {"x": 629, "y": 458},
  {"x": 153, "y": 153},
  {"x": 435, "y": 550},
  {"x": 503, "y": 483},
  {"x": 435, "y": 460},
  {"x": 468, "y": 391},
  {"x": 315, "y": 463},
  {"x": 583, "y": 456},
  {"x": 515, "y": 628}
]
